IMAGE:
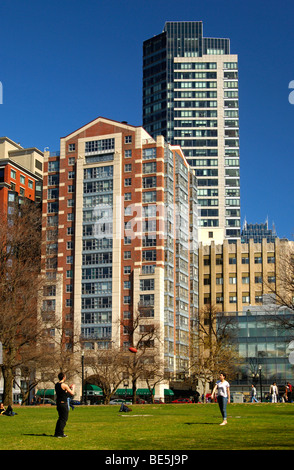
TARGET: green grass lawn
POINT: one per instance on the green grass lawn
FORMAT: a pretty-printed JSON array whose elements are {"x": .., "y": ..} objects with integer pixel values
[{"x": 152, "y": 427}]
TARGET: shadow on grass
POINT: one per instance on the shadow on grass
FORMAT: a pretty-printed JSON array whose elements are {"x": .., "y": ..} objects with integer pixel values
[
  {"x": 197, "y": 424},
  {"x": 40, "y": 435}
]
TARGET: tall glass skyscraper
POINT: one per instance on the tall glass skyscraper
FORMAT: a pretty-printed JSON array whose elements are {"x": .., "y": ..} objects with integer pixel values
[{"x": 190, "y": 96}]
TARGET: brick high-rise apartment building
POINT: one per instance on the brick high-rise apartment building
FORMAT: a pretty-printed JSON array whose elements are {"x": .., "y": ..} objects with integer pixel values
[
  {"x": 119, "y": 219},
  {"x": 190, "y": 96}
]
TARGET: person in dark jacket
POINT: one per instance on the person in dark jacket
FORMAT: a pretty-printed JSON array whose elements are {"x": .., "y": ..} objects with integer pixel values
[{"x": 63, "y": 391}]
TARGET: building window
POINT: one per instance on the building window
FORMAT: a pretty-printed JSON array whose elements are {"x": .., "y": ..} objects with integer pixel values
[
  {"x": 99, "y": 145},
  {"x": 13, "y": 174},
  {"x": 147, "y": 300},
  {"x": 71, "y": 147},
  {"x": 128, "y": 182},
  {"x": 149, "y": 154},
  {"x": 52, "y": 207},
  {"x": 147, "y": 284},
  {"x": 149, "y": 182},
  {"x": 149, "y": 196},
  {"x": 149, "y": 255},
  {"x": 127, "y": 269},
  {"x": 127, "y": 255},
  {"x": 128, "y": 139},
  {"x": 128, "y": 153},
  {"x": 128, "y": 167},
  {"x": 149, "y": 167}
]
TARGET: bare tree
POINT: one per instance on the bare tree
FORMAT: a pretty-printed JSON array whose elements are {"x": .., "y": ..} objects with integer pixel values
[
  {"x": 107, "y": 367},
  {"x": 20, "y": 285},
  {"x": 214, "y": 348},
  {"x": 281, "y": 292},
  {"x": 145, "y": 337},
  {"x": 153, "y": 372}
]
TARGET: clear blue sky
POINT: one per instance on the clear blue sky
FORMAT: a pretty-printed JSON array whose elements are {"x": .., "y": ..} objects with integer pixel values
[{"x": 64, "y": 63}]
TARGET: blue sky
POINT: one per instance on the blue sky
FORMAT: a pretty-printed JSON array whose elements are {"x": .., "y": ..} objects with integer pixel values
[{"x": 64, "y": 63}]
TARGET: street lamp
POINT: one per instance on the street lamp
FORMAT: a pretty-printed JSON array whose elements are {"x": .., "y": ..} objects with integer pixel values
[
  {"x": 83, "y": 357},
  {"x": 260, "y": 382},
  {"x": 126, "y": 388}
]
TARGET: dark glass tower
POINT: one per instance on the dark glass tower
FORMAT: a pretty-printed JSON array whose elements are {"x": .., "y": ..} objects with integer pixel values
[{"x": 190, "y": 96}]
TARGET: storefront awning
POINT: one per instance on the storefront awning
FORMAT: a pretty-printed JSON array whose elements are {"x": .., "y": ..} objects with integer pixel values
[
  {"x": 43, "y": 392},
  {"x": 123, "y": 391},
  {"x": 168, "y": 392},
  {"x": 144, "y": 391},
  {"x": 94, "y": 389}
]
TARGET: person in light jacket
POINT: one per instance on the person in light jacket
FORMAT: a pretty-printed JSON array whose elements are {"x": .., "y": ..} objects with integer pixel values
[
  {"x": 274, "y": 392},
  {"x": 253, "y": 394}
]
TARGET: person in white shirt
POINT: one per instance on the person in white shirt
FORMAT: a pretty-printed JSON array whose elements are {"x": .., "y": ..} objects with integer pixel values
[
  {"x": 274, "y": 392},
  {"x": 223, "y": 396}
]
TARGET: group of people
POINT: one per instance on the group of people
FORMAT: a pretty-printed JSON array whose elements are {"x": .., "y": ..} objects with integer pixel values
[
  {"x": 64, "y": 393},
  {"x": 274, "y": 393}
]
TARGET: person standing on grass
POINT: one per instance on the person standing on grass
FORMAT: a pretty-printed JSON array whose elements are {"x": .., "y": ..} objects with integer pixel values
[
  {"x": 253, "y": 394},
  {"x": 63, "y": 391},
  {"x": 274, "y": 392},
  {"x": 223, "y": 396}
]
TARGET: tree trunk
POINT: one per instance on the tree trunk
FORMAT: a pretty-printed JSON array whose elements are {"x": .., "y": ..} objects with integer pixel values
[
  {"x": 134, "y": 384},
  {"x": 8, "y": 386}
]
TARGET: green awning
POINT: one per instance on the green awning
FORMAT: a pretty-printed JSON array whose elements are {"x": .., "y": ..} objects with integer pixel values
[
  {"x": 168, "y": 392},
  {"x": 94, "y": 388},
  {"x": 45, "y": 392},
  {"x": 144, "y": 391},
  {"x": 122, "y": 391}
]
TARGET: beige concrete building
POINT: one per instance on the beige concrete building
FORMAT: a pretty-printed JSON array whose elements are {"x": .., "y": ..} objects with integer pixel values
[
  {"x": 29, "y": 158},
  {"x": 235, "y": 275}
]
